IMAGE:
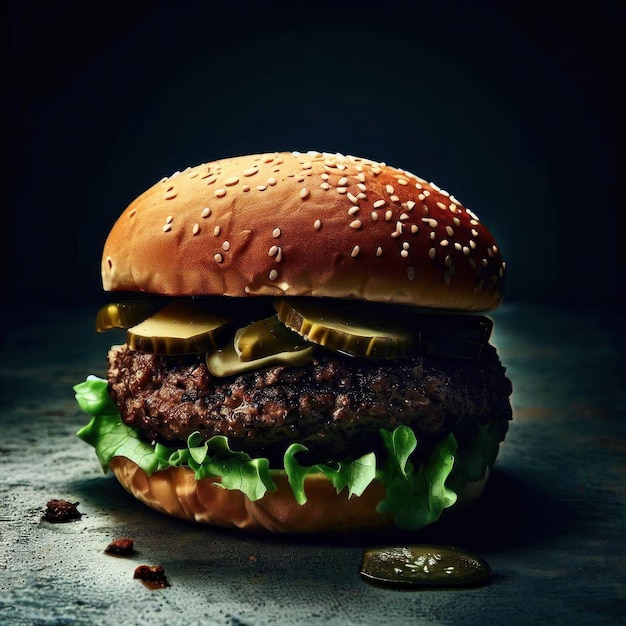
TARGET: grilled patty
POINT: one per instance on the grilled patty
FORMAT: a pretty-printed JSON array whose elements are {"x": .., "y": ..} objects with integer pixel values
[{"x": 335, "y": 406}]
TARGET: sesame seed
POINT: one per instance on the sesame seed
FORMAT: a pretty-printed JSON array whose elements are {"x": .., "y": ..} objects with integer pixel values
[
  {"x": 388, "y": 215},
  {"x": 132, "y": 213},
  {"x": 206, "y": 212},
  {"x": 474, "y": 222},
  {"x": 317, "y": 224},
  {"x": 494, "y": 248},
  {"x": 271, "y": 181},
  {"x": 325, "y": 186},
  {"x": 279, "y": 255},
  {"x": 474, "y": 232},
  {"x": 430, "y": 221},
  {"x": 452, "y": 207},
  {"x": 432, "y": 235},
  {"x": 353, "y": 198},
  {"x": 444, "y": 243},
  {"x": 325, "y": 176},
  {"x": 304, "y": 193},
  {"x": 404, "y": 253},
  {"x": 421, "y": 197},
  {"x": 170, "y": 219},
  {"x": 217, "y": 230},
  {"x": 361, "y": 177},
  {"x": 220, "y": 193},
  {"x": 226, "y": 246},
  {"x": 466, "y": 251},
  {"x": 402, "y": 181},
  {"x": 342, "y": 182},
  {"x": 406, "y": 245},
  {"x": 170, "y": 195},
  {"x": 484, "y": 262},
  {"x": 379, "y": 251},
  {"x": 245, "y": 188},
  {"x": 353, "y": 210},
  {"x": 450, "y": 230},
  {"x": 448, "y": 260},
  {"x": 167, "y": 228},
  {"x": 410, "y": 205},
  {"x": 426, "y": 193},
  {"x": 218, "y": 258},
  {"x": 276, "y": 233},
  {"x": 355, "y": 251},
  {"x": 342, "y": 190},
  {"x": 379, "y": 203},
  {"x": 472, "y": 244},
  {"x": 361, "y": 196},
  {"x": 362, "y": 187},
  {"x": 196, "y": 229},
  {"x": 457, "y": 246},
  {"x": 404, "y": 217},
  {"x": 272, "y": 251},
  {"x": 394, "y": 198},
  {"x": 389, "y": 189},
  {"x": 233, "y": 180},
  {"x": 432, "y": 253},
  {"x": 273, "y": 275},
  {"x": 457, "y": 221},
  {"x": 415, "y": 229},
  {"x": 251, "y": 171},
  {"x": 374, "y": 216},
  {"x": 356, "y": 224},
  {"x": 261, "y": 187},
  {"x": 490, "y": 252}
]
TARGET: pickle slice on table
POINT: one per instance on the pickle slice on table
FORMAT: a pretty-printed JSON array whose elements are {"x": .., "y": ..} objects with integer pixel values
[
  {"x": 125, "y": 314},
  {"x": 265, "y": 337},
  {"x": 184, "y": 326},
  {"x": 342, "y": 327}
]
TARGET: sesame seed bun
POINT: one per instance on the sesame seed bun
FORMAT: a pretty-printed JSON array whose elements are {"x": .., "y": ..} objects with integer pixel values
[
  {"x": 258, "y": 224},
  {"x": 176, "y": 492}
]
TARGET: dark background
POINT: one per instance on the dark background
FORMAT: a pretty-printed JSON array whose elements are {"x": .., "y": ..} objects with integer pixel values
[{"x": 512, "y": 106}]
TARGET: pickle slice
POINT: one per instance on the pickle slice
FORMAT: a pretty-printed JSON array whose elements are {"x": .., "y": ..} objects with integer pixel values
[
  {"x": 264, "y": 337},
  {"x": 226, "y": 362},
  {"x": 125, "y": 314},
  {"x": 342, "y": 327},
  {"x": 182, "y": 327}
]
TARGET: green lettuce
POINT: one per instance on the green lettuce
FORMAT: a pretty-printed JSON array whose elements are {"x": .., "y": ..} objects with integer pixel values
[{"x": 414, "y": 496}]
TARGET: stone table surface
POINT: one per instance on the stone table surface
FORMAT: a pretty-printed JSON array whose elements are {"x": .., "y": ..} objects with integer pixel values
[{"x": 552, "y": 523}]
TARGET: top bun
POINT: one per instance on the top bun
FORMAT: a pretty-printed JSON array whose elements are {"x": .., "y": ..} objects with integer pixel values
[{"x": 304, "y": 224}]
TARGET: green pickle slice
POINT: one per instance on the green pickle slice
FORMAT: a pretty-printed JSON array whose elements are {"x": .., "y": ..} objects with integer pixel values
[
  {"x": 265, "y": 337},
  {"x": 125, "y": 314},
  {"x": 423, "y": 566},
  {"x": 342, "y": 327},
  {"x": 184, "y": 326}
]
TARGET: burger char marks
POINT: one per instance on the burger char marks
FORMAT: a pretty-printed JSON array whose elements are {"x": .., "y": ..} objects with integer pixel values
[
  {"x": 371, "y": 231},
  {"x": 335, "y": 406}
]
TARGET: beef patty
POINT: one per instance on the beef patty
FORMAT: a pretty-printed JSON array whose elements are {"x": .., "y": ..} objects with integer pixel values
[{"x": 335, "y": 406}]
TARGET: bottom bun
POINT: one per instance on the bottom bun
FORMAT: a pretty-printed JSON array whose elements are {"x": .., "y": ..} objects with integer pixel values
[{"x": 176, "y": 492}]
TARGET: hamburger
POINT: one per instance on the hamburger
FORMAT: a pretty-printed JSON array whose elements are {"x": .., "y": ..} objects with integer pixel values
[{"x": 305, "y": 347}]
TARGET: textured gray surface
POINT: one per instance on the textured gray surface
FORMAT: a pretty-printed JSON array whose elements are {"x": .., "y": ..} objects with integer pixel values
[{"x": 551, "y": 525}]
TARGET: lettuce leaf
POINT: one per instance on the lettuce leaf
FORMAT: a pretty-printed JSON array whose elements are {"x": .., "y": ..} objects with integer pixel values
[{"x": 415, "y": 496}]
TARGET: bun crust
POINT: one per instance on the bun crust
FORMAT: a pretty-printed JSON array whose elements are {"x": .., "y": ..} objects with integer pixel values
[
  {"x": 176, "y": 492},
  {"x": 304, "y": 224}
]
